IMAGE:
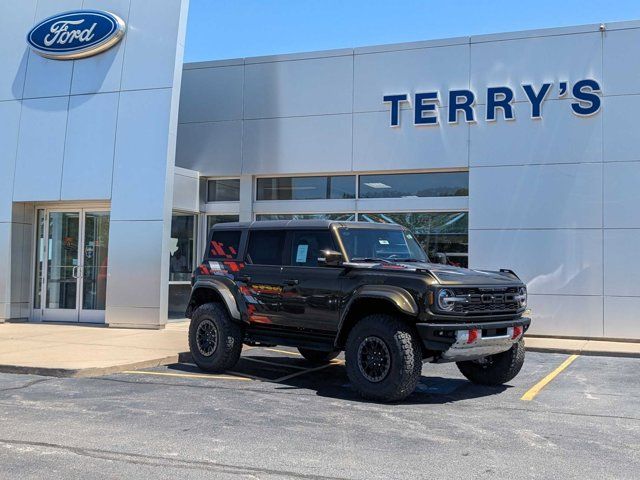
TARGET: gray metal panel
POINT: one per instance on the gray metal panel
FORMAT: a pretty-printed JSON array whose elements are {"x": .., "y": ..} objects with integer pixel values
[
  {"x": 135, "y": 271},
  {"x": 56, "y": 73},
  {"x": 408, "y": 71},
  {"x": 140, "y": 164},
  {"x": 621, "y": 260},
  {"x": 16, "y": 22},
  {"x": 5, "y": 263},
  {"x": 40, "y": 149},
  {"x": 297, "y": 145},
  {"x": 535, "y": 60},
  {"x": 10, "y": 121},
  {"x": 567, "y": 315},
  {"x": 551, "y": 262},
  {"x": 211, "y": 94},
  {"x": 303, "y": 87},
  {"x": 620, "y": 129},
  {"x": 186, "y": 193},
  {"x": 88, "y": 155},
  {"x": 102, "y": 73},
  {"x": 621, "y": 317},
  {"x": 213, "y": 149},
  {"x": 621, "y": 195},
  {"x": 559, "y": 137},
  {"x": 152, "y": 44},
  {"x": 536, "y": 196},
  {"x": 377, "y": 146},
  {"x": 621, "y": 74}
]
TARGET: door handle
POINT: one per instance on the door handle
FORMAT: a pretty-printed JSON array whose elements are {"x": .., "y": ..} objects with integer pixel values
[
  {"x": 291, "y": 282},
  {"x": 74, "y": 272}
]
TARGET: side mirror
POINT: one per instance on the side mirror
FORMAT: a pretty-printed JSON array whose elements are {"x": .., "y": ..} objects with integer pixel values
[
  {"x": 440, "y": 258},
  {"x": 330, "y": 258}
]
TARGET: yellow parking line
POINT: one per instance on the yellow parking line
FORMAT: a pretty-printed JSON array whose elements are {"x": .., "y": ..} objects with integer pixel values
[
  {"x": 187, "y": 375},
  {"x": 533, "y": 391},
  {"x": 295, "y": 354},
  {"x": 287, "y": 377}
]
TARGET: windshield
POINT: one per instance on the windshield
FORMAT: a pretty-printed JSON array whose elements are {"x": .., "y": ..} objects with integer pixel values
[{"x": 370, "y": 244}]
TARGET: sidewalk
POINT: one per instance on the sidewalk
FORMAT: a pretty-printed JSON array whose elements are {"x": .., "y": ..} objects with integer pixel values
[
  {"x": 583, "y": 347},
  {"x": 84, "y": 351}
]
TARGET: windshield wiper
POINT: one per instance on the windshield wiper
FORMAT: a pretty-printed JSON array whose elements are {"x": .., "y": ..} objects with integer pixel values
[
  {"x": 407, "y": 260},
  {"x": 370, "y": 259}
]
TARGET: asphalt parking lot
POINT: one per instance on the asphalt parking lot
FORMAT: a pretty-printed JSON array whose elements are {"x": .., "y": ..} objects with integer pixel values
[{"x": 275, "y": 416}]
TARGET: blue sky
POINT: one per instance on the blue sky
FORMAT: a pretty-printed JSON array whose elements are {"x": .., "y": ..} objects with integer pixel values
[{"x": 243, "y": 28}]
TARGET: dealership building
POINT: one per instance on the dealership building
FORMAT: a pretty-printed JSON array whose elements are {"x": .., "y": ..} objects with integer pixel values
[{"x": 513, "y": 150}]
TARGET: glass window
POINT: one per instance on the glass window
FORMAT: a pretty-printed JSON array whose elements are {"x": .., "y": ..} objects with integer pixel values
[
  {"x": 306, "y": 246},
  {"x": 306, "y": 188},
  {"x": 345, "y": 217},
  {"x": 225, "y": 244},
  {"x": 373, "y": 243},
  {"x": 266, "y": 247},
  {"x": 182, "y": 247},
  {"x": 223, "y": 190},
  {"x": 407, "y": 185},
  {"x": 214, "y": 219},
  {"x": 441, "y": 232}
]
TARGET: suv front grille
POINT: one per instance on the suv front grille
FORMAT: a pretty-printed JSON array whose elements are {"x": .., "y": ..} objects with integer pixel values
[{"x": 483, "y": 301}]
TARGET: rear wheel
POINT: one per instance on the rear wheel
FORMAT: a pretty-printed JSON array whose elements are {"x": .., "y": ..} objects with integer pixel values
[
  {"x": 318, "y": 357},
  {"x": 384, "y": 358},
  {"x": 215, "y": 340},
  {"x": 495, "y": 369}
]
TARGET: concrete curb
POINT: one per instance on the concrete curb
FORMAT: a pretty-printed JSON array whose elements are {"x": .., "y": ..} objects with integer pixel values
[
  {"x": 93, "y": 371},
  {"x": 578, "y": 351}
]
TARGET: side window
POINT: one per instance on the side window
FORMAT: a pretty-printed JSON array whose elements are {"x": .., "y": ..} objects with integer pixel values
[
  {"x": 265, "y": 247},
  {"x": 306, "y": 246},
  {"x": 224, "y": 244}
]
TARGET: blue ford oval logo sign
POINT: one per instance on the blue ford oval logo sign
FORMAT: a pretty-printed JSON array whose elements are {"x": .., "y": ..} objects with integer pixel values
[{"x": 77, "y": 34}]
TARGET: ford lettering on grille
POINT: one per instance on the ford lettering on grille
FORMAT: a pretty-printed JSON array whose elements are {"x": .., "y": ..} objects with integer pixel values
[{"x": 77, "y": 34}]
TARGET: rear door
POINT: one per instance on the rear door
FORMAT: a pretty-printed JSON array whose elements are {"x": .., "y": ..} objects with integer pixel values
[
  {"x": 261, "y": 278},
  {"x": 311, "y": 293}
]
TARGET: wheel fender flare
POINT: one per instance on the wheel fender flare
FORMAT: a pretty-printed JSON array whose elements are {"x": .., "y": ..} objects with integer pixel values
[
  {"x": 225, "y": 293},
  {"x": 398, "y": 296}
]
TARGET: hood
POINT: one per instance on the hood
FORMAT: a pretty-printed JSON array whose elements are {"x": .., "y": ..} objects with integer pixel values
[{"x": 449, "y": 275}]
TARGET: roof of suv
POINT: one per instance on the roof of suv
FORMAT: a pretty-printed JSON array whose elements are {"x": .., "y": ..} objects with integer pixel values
[{"x": 278, "y": 224}]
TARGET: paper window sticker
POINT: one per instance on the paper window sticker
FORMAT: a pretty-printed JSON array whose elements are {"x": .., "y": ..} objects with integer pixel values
[{"x": 301, "y": 253}]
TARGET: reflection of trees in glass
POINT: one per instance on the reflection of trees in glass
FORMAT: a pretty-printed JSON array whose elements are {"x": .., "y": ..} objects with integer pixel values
[
  {"x": 445, "y": 232},
  {"x": 445, "y": 184},
  {"x": 343, "y": 217}
]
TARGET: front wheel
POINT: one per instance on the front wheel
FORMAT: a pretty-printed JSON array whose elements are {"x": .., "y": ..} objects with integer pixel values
[
  {"x": 215, "y": 340},
  {"x": 384, "y": 358},
  {"x": 495, "y": 369},
  {"x": 318, "y": 357}
]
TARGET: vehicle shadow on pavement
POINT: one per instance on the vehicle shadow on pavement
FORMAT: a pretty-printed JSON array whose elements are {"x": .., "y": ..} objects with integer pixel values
[{"x": 332, "y": 381}]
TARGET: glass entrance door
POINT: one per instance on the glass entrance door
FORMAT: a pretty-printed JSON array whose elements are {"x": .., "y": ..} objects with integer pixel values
[{"x": 71, "y": 265}]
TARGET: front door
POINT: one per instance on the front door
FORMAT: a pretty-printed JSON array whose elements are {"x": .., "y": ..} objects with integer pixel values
[
  {"x": 311, "y": 292},
  {"x": 71, "y": 265}
]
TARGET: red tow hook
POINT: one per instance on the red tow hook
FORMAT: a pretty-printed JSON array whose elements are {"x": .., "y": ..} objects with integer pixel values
[
  {"x": 517, "y": 331},
  {"x": 473, "y": 335}
]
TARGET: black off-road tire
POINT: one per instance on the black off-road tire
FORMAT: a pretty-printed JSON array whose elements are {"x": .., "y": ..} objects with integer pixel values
[
  {"x": 495, "y": 369},
  {"x": 404, "y": 351},
  {"x": 228, "y": 344},
  {"x": 318, "y": 357}
]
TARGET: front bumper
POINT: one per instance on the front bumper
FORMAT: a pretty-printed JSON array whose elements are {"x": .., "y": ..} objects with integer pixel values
[{"x": 455, "y": 342}]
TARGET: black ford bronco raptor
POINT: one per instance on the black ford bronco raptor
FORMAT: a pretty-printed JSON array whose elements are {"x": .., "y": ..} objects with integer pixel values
[{"x": 368, "y": 289}]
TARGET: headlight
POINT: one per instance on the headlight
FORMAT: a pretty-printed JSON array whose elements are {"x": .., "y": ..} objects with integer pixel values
[
  {"x": 521, "y": 297},
  {"x": 444, "y": 300}
]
